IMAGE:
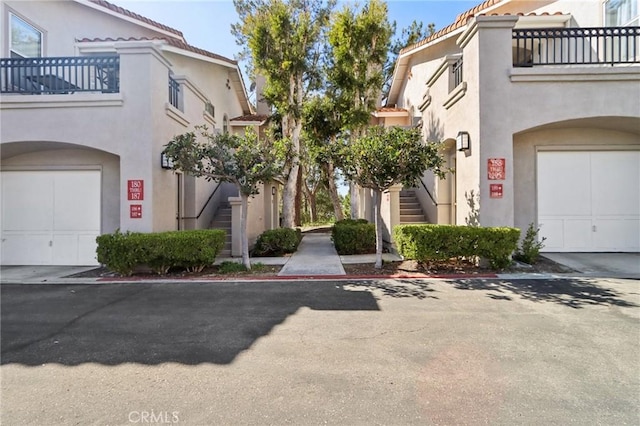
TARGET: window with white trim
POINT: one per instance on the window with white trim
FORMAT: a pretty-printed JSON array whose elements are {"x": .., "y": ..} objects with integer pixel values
[
  {"x": 25, "y": 40},
  {"x": 621, "y": 13}
]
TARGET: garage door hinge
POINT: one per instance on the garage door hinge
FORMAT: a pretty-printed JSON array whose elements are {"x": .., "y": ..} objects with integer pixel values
[
  {"x": 593, "y": 228},
  {"x": 50, "y": 243}
]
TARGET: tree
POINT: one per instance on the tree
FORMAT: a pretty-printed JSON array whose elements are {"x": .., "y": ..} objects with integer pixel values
[
  {"x": 241, "y": 160},
  {"x": 359, "y": 42},
  {"x": 282, "y": 41},
  {"x": 321, "y": 127},
  {"x": 384, "y": 157}
]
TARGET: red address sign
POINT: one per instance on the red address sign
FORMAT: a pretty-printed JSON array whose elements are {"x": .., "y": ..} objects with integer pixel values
[{"x": 135, "y": 189}]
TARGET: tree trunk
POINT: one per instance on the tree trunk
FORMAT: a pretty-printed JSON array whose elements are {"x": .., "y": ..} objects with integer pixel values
[
  {"x": 244, "y": 205},
  {"x": 377, "y": 195},
  {"x": 355, "y": 198},
  {"x": 291, "y": 186},
  {"x": 333, "y": 191},
  {"x": 298, "y": 204},
  {"x": 313, "y": 210}
]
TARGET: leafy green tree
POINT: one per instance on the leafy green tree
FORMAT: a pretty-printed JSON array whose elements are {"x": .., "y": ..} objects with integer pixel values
[
  {"x": 282, "y": 41},
  {"x": 359, "y": 41},
  {"x": 241, "y": 160},
  {"x": 321, "y": 128},
  {"x": 384, "y": 157}
]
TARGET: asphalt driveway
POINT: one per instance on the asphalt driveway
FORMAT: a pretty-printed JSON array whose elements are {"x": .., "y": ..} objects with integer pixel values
[{"x": 388, "y": 352}]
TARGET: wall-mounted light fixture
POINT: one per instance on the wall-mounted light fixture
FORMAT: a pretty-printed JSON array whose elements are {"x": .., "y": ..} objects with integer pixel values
[
  {"x": 463, "y": 141},
  {"x": 166, "y": 162},
  {"x": 273, "y": 190}
]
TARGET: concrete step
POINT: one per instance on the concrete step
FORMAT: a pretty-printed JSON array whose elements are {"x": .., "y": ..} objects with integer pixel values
[
  {"x": 410, "y": 211},
  {"x": 412, "y": 218}
]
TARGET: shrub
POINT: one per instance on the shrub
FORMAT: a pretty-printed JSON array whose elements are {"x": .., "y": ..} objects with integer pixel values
[
  {"x": 193, "y": 250},
  {"x": 229, "y": 267},
  {"x": 441, "y": 242},
  {"x": 276, "y": 242},
  {"x": 530, "y": 247},
  {"x": 354, "y": 236}
]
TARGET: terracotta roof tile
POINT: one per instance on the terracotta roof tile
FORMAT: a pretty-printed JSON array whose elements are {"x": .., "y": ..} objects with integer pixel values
[
  {"x": 133, "y": 15},
  {"x": 251, "y": 117},
  {"x": 171, "y": 41},
  {"x": 461, "y": 20},
  {"x": 391, "y": 109}
]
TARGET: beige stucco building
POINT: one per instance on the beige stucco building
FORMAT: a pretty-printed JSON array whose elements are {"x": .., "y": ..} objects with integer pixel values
[
  {"x": 538, "y": 104},
  {"x": 90, "y": 94}
]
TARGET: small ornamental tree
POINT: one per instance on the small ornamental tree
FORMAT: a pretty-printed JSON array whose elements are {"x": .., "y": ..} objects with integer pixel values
[
  {"x": 241, "y": 160},
  {"x": 384, "y": 157}
]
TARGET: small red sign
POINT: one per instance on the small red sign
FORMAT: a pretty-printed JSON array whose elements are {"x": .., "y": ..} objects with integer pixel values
[
  {"x": 495, "y": 190},
  {"x": 135, "y": 190},
  {"x": 496, "y": 168},
  {"x": 135, "y": 211}
]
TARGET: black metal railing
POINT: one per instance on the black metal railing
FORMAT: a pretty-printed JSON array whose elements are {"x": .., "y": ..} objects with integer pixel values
[
  {"x": 174, "y": 92},
  {"x": 576, "y": 46},
  {"x": 456, "y": 69},
  {"x": 60, "y": 75}
]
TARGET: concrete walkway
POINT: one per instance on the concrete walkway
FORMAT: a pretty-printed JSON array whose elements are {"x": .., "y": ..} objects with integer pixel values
[{"x": 316, "y": 255}]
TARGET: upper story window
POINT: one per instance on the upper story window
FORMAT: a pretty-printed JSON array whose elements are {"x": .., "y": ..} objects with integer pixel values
[
  {"x": 620, "y": 13},
  {"x": 225, "y": 124},
  {"x": 25, "y": 40}
]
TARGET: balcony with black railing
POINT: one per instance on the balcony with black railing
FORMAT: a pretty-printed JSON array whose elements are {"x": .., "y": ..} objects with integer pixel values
[
  {"x": 576, "y": 46},
  {"x": 60, "y": 75}
]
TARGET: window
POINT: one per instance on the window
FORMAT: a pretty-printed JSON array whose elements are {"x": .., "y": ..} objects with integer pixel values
[
  {"x": 225, "y": 124},
  {"x": 619, "y": 13},
  {"x": 25, "y": 41}
]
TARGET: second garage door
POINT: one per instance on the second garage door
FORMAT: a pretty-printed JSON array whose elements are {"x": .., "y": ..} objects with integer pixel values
[
  {"x": 589, "y": 200},
  {"x": 50, "y": 217}
]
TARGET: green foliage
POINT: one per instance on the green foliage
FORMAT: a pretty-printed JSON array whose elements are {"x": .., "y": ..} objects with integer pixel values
[
  {"x": 441, "y": 242},
  {"x": 359, "y": 41},
  {"x": 384, "y": 157},
  {"x": 229, "y": 267},
  {"x": 276, "y": 242},
  {"x": 530, "y": 246},
  {"x": 354, "y": 236},
  {"x": 241, "y": 160},
  {"x": 192, "y": 250}
]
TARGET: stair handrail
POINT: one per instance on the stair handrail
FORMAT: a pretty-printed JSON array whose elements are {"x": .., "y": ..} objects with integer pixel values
[
  {"x": 205, "y": 205},
  {"x": 428, "y": 193}
]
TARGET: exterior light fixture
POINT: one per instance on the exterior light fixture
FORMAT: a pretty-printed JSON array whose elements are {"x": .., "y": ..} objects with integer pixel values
[
  {"x": 273, "y": 190},
  {"x": 166, "y": 162},
  {"x": 463, "y": 141}
]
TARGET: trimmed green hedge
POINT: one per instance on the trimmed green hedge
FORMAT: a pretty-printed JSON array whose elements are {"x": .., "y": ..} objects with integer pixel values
[
  {"x": 441, "y": 242},
  {"x": 193, "y": 250},
  {"x": 354, "y": 236},
  {"x": 276, "y": 242}
]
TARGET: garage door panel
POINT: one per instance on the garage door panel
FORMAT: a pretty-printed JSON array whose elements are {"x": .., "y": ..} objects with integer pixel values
[
  {"x": 589, "y": 201},
  {"x": 553, "y": 231},
  {"x": 26, "y": 249},
  {"x": 617, "y": 234},
  {"x": 27, "y": 203},
  {"x": 557, "y": 173},
  {"x": 50, "y": 217},
  {"x": 577, "y": 234},
  {"x": 77, "y": 203},
  {"x": 615, "y": 180}
]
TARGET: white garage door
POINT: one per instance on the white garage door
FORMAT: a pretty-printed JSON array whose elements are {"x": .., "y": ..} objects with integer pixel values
[
  {"x": 589, "y": 201},
  {"x": 50, "y": 217}
]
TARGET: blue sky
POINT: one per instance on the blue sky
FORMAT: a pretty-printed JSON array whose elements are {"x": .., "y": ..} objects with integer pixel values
[{"x": 206, "y": 23}]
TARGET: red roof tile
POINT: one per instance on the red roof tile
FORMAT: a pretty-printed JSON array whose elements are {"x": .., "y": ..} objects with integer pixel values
[
  {"x": 171, "y": 41},
  {"x": 461, "y": 20},
  {"x": 391, "y": 109},
  {"x": 251, "y": 117},
  {"x": 133, "y": 15}
]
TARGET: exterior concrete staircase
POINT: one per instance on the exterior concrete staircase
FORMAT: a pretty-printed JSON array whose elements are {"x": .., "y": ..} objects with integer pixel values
[
  {"x": 410, "y": 208},
  {"x": 222, "y": 220}
]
